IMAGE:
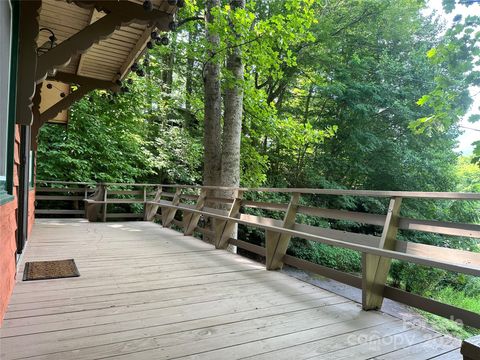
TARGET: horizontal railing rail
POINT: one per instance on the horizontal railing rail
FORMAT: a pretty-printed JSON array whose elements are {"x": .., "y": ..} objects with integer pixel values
[{"x": 185, "y": 206}]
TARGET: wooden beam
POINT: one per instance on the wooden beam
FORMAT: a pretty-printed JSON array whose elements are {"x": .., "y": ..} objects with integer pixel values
[
  {"x": 86, "y": 85},
  {"x": 224, "y": 229},
  {"x": 27, "y": 60},
  {"x": 375, "y": 268},
  {"x": 169, "y": 213},
  {"x": 471, "y": 348},
  {"x": 36, "y": 117},
  {"x": 447, "y": 311},
  {"x": 121, "y": 13},
  {"x": 151, "y": 209},
  {"x": 191, "y": 220},
  {"x": 82, "y": 58},
  {"x": 63, "y": 104},
  {"x": 276, "y": 244},
  {"x": 84, "y": 81}
]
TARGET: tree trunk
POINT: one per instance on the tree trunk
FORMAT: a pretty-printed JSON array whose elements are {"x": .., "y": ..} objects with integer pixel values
[
  {"x": 232, "y": 122},
  {"x": 232, "y": 126},
  {"x": 189, "y": 75},
  {"x": 213, "y": 106}
]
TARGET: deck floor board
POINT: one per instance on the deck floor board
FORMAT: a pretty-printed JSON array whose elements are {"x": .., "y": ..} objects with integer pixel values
[{"x": 146, "y": 292}]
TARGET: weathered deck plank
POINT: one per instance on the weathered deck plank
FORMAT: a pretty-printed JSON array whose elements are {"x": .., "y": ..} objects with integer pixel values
[{"x": 146, "y": 292}]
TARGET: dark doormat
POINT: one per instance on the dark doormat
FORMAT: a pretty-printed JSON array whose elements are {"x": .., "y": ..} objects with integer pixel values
[{"x": 43, "y": 270}]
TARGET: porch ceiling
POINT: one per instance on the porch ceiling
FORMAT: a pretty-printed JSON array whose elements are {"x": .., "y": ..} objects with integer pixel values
[{"x": 111, "y": 58}]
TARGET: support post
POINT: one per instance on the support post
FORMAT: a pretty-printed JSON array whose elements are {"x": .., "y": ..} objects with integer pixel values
[
  {"x": 191, "y": 220},
  {"x": 151, "y": 209},
  {"x": 55, "y": 109},
  {"x": 224, "y": 229},
  {"x": 104, "y": 215},
  {"x": 169, "y": 214},
  {"x": 27, "y": 59},
  {"x": 471, "y": 348},
  {"x": 276, "y": 244},
  {"x": 93, "y": 210},
  {"x": 375, "y": 268}
]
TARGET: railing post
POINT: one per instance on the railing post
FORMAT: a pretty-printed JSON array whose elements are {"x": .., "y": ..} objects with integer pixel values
[
  {"x": 151, "y": 209},
  {"x": 104, "y": 215},
  {"x": 191, "y": 220},
  {"x": 375, "y": 268},
  {"x": 169, "y": 214},
  {"x": 276, "y": 244},
  {"x": 224, "y": 229},
  {"x": 93, "y": 211},
  {"x": 144, "y": 202}
]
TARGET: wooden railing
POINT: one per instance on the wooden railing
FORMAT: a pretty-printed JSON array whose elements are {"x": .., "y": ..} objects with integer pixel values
[{"x": 185, "y": 206}]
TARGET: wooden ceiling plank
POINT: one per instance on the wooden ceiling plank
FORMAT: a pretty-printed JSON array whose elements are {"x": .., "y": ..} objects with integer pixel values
[
  {"x": 82, "y": 56},
  {"x": 136, "y": 52}
]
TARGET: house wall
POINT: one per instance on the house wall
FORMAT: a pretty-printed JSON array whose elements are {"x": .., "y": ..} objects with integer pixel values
[{"x": 8, "y": 233}]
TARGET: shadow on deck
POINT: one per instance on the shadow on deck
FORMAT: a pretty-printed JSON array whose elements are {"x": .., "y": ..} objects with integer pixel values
[{"x": 147, "y": 292}]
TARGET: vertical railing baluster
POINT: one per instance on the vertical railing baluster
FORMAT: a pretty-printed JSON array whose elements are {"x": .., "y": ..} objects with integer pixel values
[{"x": 375, "y": 268}]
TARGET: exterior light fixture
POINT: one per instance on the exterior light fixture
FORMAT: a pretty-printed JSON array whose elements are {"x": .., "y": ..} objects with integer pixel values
[
  {"x": 147, "y": 5},
  {"x": 164, "y": 40},
  {"x": 48, "y": 45}
]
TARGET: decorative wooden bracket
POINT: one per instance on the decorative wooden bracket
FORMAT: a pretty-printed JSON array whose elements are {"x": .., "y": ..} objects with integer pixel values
[
  {"x": 36, "y": 116},
  {"x": 191, "y": 220},
  {"x": 54, "y": 110},
  {"x": 120, "y": 13},
  {"x": 151, "y": 209},
  {"x": 86, "y": 85},
  {"x": 27, "y": 56},
  {"x": 376, "y": 268},
  {"x": 224, "y": 229},
  {"x": 276, "y": 243},
  {"x": 169, "y": 214},
  {"x": 471, "y": 348}
]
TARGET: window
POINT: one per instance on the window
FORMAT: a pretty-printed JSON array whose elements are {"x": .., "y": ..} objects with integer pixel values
[{"x": 5, "y": 60}]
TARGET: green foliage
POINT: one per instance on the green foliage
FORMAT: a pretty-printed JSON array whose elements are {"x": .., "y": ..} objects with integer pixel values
[
  {"x": 336, "y": 258},
  {"x": 416, "y": 279},
  {"x": 454, "y": 62},
  {"x": 103, "y": 142}
]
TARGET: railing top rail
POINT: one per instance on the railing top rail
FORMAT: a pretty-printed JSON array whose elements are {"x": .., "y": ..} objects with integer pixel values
[{"x": 338, "y": 192}]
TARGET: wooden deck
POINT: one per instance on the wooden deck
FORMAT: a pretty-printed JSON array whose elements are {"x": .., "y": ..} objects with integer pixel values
[{"x": 146, "y": 292}]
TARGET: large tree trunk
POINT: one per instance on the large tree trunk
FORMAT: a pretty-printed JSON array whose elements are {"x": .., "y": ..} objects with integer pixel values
[
  {"x": 189, "y": 75},
  {"x": 232, "y": 127},
  {"x": 213, "y": 107},
  {"x": 232, "y": 122},
  {"x": 212, "y": 136}
]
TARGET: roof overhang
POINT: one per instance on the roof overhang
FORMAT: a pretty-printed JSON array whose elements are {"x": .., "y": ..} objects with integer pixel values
[{"x": 96, "y": 44}]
